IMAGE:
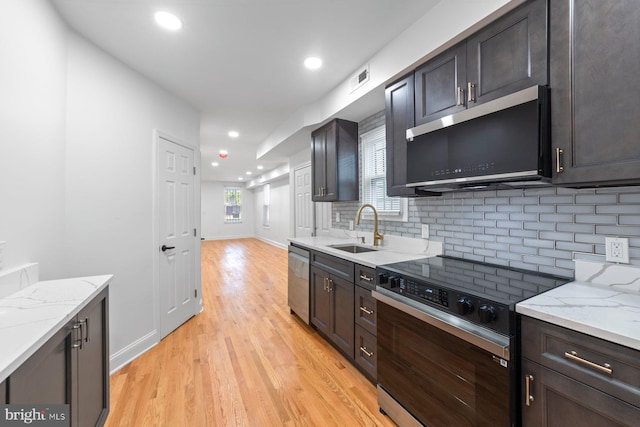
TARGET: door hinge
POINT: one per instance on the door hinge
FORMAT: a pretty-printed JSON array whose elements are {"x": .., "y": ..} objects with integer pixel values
[
  {"x": 194, "y": 170},
  {"x": 195, "y": 291},
  {"x": 194, "y": 232}
]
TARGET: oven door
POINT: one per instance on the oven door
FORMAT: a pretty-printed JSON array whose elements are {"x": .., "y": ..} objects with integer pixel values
[{"x": 439, "y": 378}]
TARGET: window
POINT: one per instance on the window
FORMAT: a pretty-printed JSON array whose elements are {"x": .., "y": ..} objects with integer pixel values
[
  {"x": 374, "y": 180},
  {"x": 265, "y": 206},
  {"x": 232, "y": 205}
]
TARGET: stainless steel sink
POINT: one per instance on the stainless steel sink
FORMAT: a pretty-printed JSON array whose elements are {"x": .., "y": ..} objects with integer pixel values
[{"x": 352, "y": 248}]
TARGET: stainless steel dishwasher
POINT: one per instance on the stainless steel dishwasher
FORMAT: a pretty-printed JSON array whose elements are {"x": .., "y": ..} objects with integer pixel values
[{"x": 298, "y": 294}]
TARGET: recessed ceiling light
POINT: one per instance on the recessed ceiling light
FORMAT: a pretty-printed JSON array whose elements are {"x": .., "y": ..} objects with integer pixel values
[
  {"x": 223, "y": 154},
  {"x": 214, "y": 163},
  {"x": 240, "y": 178},
  {"x": 233, "y": 134},
  {"x": 168, "y": 20},
  {"x": 313, "y": 63},
  {"x": 248, "y": 172},
  {"x": 260, "y": 167}
]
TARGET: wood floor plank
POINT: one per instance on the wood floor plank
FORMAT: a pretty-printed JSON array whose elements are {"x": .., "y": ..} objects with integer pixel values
[{"x": 245, "y": 360}]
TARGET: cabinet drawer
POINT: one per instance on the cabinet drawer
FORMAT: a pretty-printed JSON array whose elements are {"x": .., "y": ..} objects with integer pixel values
[
  {"x": 365, "y": 277},
  {"x": 337, "y": 266},
  {"x": 367, "y": 352},
  {"x": 366, "y": 310},
  {"x": 3, "y": 392},
  {"x": 584, "y": 358}
]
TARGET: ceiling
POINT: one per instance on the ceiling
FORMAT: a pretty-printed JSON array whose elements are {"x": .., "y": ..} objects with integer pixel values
[{"x": 240, "y": 62}]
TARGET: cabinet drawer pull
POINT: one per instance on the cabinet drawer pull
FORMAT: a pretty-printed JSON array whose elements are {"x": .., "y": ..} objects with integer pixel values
[
  {"x": 606, "y": 368},
  {"x": 471, "y": 87},
  {"x": 79, "y": 342},
  {"x": 365, "y": 277},
  {"x": 559, "y": 168},
  {"x": 325, "y": 284},
  {"x": 528, "y": 399},
  {"x": 366, "y": 353},
  {"x": 364, "y": 309},
  {"x": 460, "y": 96}
]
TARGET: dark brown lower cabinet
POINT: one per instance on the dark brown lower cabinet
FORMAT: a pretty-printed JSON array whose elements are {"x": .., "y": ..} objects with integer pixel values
[
  {"x": 573, "y": 379},
  {"x": 71, "y": 368},
  {"x": 3, "y": 392},
  {"x": 367, "y": 352},
  {"x": 332, "y": 312}
]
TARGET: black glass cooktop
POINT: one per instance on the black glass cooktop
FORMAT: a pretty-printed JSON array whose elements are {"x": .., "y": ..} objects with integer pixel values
[{"x": 487, "y": 281}]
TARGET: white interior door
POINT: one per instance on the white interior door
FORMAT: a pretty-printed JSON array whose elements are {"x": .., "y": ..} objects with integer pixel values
[
  {"x": 176, "y": 234},
  {"x": 323, "y": 218},
  {"x": 303, "y": 204}
]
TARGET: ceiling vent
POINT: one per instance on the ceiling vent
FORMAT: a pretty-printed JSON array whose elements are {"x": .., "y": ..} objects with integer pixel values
[{"x": 359, "y": 79}]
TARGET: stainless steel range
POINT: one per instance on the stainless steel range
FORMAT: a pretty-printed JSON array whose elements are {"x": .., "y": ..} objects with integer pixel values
[{"x": 447, "y": 338}]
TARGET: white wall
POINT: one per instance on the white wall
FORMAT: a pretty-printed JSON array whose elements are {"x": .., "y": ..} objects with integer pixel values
[
  {"x": 112, "y": 114},
  {"x": 32, "y": 146},
  {"x": 213, "y": 225},
  {"x": 76, "y": 164},
  {"x": 279, "y": 213}
]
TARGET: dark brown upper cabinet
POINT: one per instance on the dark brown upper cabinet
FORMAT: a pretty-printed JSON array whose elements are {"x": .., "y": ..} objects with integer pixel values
[
  {"x": 334, "y": 161},
  {"x": 508, "y": 55},
  {"x": 594, "y": 63},
  {"x": 399, "y": 110}
]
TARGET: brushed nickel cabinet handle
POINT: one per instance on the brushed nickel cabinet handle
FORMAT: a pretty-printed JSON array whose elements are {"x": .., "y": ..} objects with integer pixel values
[
  {"x": 365, "y": 310},
  {"x": 79, "y": 342},
  {"x": 365, "y": 277},
  {"x": 471, "y": 87},
  {"x": 559, "y": 152},
  {"x": 366, "y": 353},
  {"x": 460, "y": 95},
  {"x": 606, "y": 368},
  {"x": 325, "y": 283},
  {"x": 528, "y": 379},
  {"x": 86, "y": 325}
]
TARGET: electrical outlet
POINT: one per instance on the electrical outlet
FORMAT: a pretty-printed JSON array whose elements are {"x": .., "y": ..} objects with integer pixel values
[
  {"x": 617, "y": 249},
  {"x": 351, "y": 225},
  {"x": 425, "y": 231},
  {"x": 337, "y": 216}
]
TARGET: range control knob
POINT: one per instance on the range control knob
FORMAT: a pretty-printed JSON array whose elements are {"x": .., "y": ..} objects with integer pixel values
[
  {"x": 464, "y": 306},
  {"x": 383, "y": 278},
  {"x": 393, "y": 282},
  {"x": 486, "y": 313}
]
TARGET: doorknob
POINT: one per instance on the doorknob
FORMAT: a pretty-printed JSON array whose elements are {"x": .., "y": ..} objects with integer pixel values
[{"x": 165, "y": 248}]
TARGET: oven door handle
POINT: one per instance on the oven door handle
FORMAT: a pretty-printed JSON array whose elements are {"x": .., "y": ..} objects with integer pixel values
[{"x": 488, "y": 340}]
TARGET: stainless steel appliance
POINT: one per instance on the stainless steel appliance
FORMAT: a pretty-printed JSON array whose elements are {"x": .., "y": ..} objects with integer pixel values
[
  {"x": 298, "y": 282},
  {"x": 502, "y": 143},
  {"x": 447, "y": 341}
]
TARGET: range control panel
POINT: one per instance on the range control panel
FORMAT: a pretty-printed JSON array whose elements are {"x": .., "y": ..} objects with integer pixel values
[{"x": 491, "y": 315}]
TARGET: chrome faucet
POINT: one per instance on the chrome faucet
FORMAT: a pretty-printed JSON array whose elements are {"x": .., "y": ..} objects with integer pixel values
[{"x": 376, "y": 236}]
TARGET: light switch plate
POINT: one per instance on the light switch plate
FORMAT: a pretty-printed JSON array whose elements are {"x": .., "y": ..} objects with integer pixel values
[
  {"x": 351, "y": 225},
  {"x": 337, "y": 217},
  {"x": 425, "y": 231},
  {"x": 617, "y": 249}
]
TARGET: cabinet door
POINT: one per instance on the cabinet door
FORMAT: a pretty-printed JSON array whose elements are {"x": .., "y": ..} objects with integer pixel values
[
  {"x": 331, "y": 163},
  {"x": 93, "y": 363},
  {"x": 440, "y": 85},
  {"x": 508, "y": 55},
  {"x": 560, "y": 401},
  {"x": 3, "y": 392},
  {"x": 342, "y": 319},
  {"x": 49, "y": 376},
  {"x": 320, "y": 301},
  {"x": 595, "y": 90},
  {"x": 318, "y": 163}
]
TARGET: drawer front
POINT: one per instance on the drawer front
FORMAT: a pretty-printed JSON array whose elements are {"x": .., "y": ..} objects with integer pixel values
[
  {"x": 367, "y": 352},
  {"x": 365, "y": 277},
  {"x": 337, "y": 266},
  {"x": 608, "y": 367},
  {"x": 366, "y": 310}
]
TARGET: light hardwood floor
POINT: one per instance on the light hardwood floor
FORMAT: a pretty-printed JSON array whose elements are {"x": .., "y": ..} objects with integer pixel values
[{"x": 245, "y": 360}]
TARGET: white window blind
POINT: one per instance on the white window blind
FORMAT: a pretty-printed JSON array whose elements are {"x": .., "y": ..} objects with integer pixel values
[{"x": 374, "y": 180}]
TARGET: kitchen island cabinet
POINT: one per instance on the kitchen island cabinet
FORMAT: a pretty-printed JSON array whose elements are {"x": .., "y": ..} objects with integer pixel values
[
  {"x": 508, "y": 55},
  {"x": 72, "y": 368},
  {"x": 334, "y": 162},
  {"x": 593, "y": 64},
  {"x": 570, "y": 378}
]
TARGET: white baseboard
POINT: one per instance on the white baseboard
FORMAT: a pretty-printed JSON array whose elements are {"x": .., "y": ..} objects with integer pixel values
[
  {"x": 240, "y": 236},
  {"x": 272, "y": 242},
  {"x": 133, "y": 350}
]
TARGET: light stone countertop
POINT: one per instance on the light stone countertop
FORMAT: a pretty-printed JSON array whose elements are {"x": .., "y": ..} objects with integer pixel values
[
  {"x": 392, "y": 248},
  {"x": 29, "y": 317},
  {"x": 603, "y": 302}
]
